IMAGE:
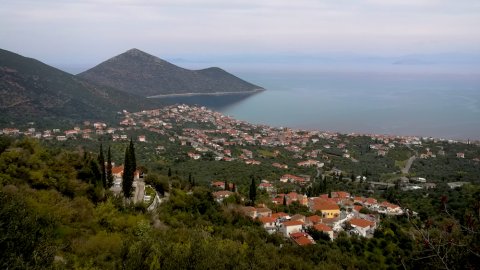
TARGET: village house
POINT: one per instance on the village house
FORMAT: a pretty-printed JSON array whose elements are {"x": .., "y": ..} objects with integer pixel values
[
  {"x": 328, "y": 208},
  {"x": 390, "y": 208},
  {"x": 293, "y": 179},
  {"x": 362, "y": 227},
  {"x": 266, "y": 186},
  {"x": 312, "y": 220},
  {"x": 249, "y": 211},
  {"x": 194, "y": 156},
  {"x": 269, "y": 224},
  {"x": 309, "y": 163},
  {"x": 280, "y": 166},
  {"x": 219, "y": 196},
  {"x": 324, "y": 228},
  {"x": 302, "y": 239},
  {"x": 288, "y": 227},
  {"x": 263, "y": 212}
]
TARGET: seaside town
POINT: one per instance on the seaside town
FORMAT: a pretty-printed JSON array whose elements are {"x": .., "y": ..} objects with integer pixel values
[{"x": 201, "y": 132}]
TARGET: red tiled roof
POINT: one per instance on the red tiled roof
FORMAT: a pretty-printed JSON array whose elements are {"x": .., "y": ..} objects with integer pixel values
[
  {"x": 267, "y": 219},
  {"x": 116, "y": 170},
  {"x": 297, "y": 235},
  {"x": 303, "y": 241},
  {"x": 361, "y": 222},
  {"x": 370, "y": 200},
  {"x": 248, "y": 209},
  {"x": 314, "y": 219},
  {"x": 329, "y": 220},
  {"x": 357, "y": 208},
  {"x": 292, "y": 223},
  {"x": 325, "y": 205},
  {"x": 341, "y": 194},
  {"x": 263, "y": 210},
  {"x": 390, "y": 205},
  {"x": 322, "y": 228},
  {"x": 279, "y": 215}
]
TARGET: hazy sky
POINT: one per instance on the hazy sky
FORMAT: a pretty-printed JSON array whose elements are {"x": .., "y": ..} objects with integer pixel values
[{"x": 87, "y": 31}]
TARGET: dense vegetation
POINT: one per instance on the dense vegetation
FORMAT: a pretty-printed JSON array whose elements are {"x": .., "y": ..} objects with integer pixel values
[{"x": 54, "y": 214}]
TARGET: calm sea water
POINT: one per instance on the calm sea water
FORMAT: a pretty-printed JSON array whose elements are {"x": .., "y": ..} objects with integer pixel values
[{"x": 444, "y": 106}]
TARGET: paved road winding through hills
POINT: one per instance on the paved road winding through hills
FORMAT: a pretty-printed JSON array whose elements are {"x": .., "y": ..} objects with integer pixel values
[{"x": 408, "y": 165}]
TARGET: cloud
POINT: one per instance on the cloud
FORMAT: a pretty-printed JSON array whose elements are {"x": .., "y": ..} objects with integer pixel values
[{"x": 91, "y": 29}]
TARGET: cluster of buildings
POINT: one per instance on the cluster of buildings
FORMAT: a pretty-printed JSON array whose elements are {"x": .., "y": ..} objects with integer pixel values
[
  {"x": 86, "y": 131},
  {"x": 207, "y": 131},
  {"x": 328, "y": 213}
]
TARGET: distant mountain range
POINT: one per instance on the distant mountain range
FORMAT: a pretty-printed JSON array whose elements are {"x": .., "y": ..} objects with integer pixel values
[
  {"x": 31, "y": 91},
  {"x": 143, "y": 74}
]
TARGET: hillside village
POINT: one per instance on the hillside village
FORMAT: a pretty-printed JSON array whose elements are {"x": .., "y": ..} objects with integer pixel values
[
  {"x": 312, "y": 188},
  {"x": 328, "y": 213},
  {"x": 200, "y": 132}
]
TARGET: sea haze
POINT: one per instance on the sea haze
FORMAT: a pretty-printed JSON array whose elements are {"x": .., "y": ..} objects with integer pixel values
[{"x": 437, "y": 105}]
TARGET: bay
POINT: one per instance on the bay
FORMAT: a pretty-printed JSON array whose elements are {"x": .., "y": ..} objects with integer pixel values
[{"x": 436, "y": 105}]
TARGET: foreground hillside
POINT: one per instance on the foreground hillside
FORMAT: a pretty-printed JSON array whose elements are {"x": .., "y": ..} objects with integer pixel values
[
  {"x": 143, "y": 74},
  {"x": 56, "y": 214},
  {"x": 31, "y": 91}
]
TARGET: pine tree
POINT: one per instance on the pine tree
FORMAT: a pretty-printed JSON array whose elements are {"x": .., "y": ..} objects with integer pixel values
[
  {"x": 253, "y": 191},
  {"x": 109, "y": 173},
  {"x": 101, "y": 163}
]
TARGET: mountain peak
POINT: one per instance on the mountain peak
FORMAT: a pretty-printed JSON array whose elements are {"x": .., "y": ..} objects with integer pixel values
[
  {"x": 143, "y": 74},
  {"x": 134, "y": 51}
]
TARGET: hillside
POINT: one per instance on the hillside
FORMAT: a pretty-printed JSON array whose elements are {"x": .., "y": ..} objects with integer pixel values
[
  {"x": 143, "y": 74},
  {"x": 33, "y": 91}
]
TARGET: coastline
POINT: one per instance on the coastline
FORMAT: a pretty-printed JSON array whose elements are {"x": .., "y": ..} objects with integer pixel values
[{"x": 209, "y": 94}]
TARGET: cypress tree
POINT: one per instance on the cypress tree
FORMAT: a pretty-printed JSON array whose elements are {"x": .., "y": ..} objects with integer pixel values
[
  {"x": 284, "y": 200},
  {"x": 234, "y": 189},
  {"x": 128, "y": 171},
  {"x": 101, "y": 163},
  {"x": 96, "y": 174},
  {"x": 190, "y": 178},
  {"x": 109, "y": 169},
  {"x": 169, "y": 172},
  {"x": 253, "y": 191},
  {"x": 324, "y": 184},
  {"x": 133, "y": 160},
  {"x": 226, "y": 187}
]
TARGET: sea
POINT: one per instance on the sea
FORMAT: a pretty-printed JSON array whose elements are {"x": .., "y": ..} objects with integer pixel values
[{"x": 439, "y": 105}]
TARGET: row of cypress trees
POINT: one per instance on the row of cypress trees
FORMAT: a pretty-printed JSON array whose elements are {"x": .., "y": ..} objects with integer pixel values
[
  {"x": 106, "y": 174},
  {"x": 130, "y": 166}
]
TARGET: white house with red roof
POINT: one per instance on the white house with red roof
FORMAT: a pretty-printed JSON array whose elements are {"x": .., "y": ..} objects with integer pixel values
[
  {"x": 324, "y": 228},
  {"x": 269, "y": 223},
  {"x": 221, "y": 195},
  {"x": 288, "y": 227},
  {"x": 362, "y": 226}
]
